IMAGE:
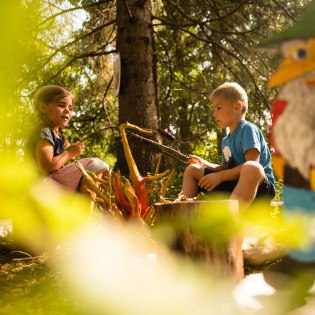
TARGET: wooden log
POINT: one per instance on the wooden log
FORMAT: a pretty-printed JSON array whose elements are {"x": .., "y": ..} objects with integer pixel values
[{"x": 222, "y": 258}]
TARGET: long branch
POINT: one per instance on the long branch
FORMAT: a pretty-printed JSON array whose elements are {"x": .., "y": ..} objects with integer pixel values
[
  {"x": 82, "y": 7},
  {"x": 163, "y": 148},
  {"x": 289, "y": 14},
  {"x": 66, "y": 46}
]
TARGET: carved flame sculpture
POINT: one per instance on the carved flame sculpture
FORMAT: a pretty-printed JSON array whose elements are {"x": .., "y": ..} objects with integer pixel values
[{"x": 128, "y": 201}]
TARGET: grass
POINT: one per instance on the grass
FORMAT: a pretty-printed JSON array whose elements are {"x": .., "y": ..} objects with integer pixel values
[{"x": 31, "y": 287}]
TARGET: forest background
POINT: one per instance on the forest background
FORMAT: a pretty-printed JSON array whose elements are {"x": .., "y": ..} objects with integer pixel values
[{"x": 173, "y": 54}]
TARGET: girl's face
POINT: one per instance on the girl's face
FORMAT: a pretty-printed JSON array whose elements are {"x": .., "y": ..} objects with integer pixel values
[{"x": 59, "y": 112}]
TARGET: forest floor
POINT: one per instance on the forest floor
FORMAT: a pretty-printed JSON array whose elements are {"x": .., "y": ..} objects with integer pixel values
[{"x": 30, "y": 287}]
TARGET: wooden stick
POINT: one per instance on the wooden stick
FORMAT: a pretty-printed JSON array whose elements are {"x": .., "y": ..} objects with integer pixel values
[
  {"x": 163, "y": 148},
  {"x": 27, "y": 258}
]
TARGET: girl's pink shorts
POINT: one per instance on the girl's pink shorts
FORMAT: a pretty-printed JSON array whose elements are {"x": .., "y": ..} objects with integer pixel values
[{"x": 70, "y": 176}]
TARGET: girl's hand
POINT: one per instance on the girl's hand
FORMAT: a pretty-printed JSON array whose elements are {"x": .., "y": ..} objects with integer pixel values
[
  {"x": 67, "y": 144},
  {"x": 194, "y": 159},
  {"x": 76, "y": 149},
  {"x": 210, "y": 181}
]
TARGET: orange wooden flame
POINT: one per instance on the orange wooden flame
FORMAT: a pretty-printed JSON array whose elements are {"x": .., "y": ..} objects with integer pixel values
[{"x": 134, "y": 201}]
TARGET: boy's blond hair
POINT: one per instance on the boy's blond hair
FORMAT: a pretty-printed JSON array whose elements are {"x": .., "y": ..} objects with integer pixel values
[{"x": 233, "y": 92}]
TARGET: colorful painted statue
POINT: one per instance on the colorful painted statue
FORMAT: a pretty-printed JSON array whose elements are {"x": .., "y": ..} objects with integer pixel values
[
  {"x": 293, "y": 134},
  {"x": 293, "y": 117}
]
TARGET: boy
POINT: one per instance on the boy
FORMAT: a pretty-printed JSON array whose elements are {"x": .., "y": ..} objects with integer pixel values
[{"x": 246, "y": 169}]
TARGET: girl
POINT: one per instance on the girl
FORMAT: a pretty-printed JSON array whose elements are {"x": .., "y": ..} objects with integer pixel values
[{"x": 54, "y": 105}]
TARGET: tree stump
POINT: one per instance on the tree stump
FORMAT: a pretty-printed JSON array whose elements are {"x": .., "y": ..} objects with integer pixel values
[{"x": 222, "y": 258}]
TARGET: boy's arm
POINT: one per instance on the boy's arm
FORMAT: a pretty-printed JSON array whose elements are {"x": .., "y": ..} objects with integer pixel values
[
  {"x": 46, "y": 160},
  {"x": 234, "y": 173},
  {"x": 210, "y": 181},
  {"x": 212, "y": 166}
]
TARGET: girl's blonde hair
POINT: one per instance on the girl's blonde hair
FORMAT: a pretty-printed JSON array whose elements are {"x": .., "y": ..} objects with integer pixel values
[
  {"x": 233, "y": 92},
  {"x": 47, "y": 94}
]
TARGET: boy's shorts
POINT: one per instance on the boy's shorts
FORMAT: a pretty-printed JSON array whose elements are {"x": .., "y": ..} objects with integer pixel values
[{"x": 265, "y": 189}]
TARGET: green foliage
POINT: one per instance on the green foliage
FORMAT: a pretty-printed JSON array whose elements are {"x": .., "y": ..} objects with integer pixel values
[
  {"x": 215, "y": 42},
  {"x": 30, "y": 287},
  {"x": 36, "y": 50},
  {"x": 175, "y": 187},
  {"x": 71, "y": 43},
  {"x": 208, "y": 150}
]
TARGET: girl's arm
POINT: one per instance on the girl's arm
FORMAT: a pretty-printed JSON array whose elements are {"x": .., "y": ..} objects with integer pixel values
[{"x": 46, "y": 160}]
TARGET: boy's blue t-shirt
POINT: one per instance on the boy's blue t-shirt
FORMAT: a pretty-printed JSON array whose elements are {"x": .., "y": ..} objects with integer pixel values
[{"x": 246, "y": 136}]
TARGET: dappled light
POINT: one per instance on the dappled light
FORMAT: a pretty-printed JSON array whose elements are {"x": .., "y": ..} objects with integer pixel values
[{"x": 129, "y": 241}]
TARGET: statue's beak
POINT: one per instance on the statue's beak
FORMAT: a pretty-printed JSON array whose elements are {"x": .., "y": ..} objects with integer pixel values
[{"x": 299, "y": 60}]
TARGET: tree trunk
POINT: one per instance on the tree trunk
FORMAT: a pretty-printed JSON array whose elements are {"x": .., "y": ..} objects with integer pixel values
[{"x": 138, "y": 95}]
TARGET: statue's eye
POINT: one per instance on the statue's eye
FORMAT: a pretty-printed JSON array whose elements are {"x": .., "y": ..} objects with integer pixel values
[{"x": 300, "y": 54}]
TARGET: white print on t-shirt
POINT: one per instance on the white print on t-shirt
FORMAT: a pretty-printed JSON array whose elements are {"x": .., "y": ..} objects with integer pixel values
[{"x": 227, "y": 153}]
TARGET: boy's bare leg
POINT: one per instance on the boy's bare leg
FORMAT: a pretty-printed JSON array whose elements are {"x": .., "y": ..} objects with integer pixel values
[
  {"x": 191, "y": 176},
  {"x": 251, "y": 176}
]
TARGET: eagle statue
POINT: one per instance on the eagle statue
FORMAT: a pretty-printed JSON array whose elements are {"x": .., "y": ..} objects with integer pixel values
[{"x": 292, "y": 134}]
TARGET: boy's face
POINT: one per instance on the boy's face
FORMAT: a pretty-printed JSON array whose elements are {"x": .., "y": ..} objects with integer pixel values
[{"x": 226, "y": 113}]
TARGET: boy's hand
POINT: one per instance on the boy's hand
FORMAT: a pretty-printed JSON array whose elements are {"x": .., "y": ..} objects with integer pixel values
[
  {"x": 194, "y": 159},
  {"x": 76, "y": 149},
  {"x": 210, "y": 181}
]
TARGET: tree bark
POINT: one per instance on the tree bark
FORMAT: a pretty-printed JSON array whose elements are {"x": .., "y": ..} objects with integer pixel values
[{"x": 138, "y": 95}]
